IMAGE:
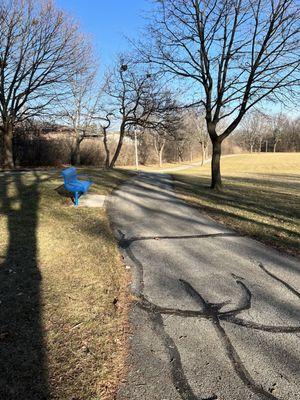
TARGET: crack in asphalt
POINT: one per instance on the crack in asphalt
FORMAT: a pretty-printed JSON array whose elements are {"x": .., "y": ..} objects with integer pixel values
[
  {"x": 125, "y": 243},
  {"x": 209, "y": 311}
]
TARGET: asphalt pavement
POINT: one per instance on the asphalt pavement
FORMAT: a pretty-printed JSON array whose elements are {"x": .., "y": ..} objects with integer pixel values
[{"x": 216, "y": 316}]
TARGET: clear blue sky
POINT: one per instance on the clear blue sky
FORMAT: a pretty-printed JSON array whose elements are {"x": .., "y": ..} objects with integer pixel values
[{"x": 107, "y": 21}]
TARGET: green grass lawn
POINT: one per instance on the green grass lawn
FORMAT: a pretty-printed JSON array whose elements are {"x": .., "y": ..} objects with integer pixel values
[
  {"x": 261, "y": 196},
  {"x": 63, "y": 306}
]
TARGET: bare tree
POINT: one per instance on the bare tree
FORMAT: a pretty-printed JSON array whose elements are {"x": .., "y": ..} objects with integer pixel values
[
  {"x": 159, "y": 142},
  {"x": 293, "y": 140},
  {"x": 146, "y": 150},
  {"x": 105, "y": 123},
  {"x": 182, "y": 141},
  {"x": 235, "y": 52},
  {"x": 279, "y": 125},
  {"x": 136, "y": 99},
  {"x": 203, "y": 139},
  {"x": 174, "y": 130},
  {"x": 167, "y": 125},
  {"x": 39, "y": 46},
  {"x": 81, "y": 109},
  {"x": 196, "y": 126},
  {"x": 254, "y": 127}
]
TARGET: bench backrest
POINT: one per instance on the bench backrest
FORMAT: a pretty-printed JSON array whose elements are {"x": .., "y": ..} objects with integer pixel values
[{"x": 69, "y": 175}]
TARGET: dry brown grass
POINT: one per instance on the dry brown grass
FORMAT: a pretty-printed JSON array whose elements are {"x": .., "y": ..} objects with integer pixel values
[
  {"x": 63, "y": 292},
  {"x": 261, "y": 196}
]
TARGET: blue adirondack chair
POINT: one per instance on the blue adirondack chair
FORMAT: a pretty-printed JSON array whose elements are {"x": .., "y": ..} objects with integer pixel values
[{"x": 73, "y": 185}]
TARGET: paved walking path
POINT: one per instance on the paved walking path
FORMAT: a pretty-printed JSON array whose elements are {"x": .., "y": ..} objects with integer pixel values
[{"x": 217, "y": 314}]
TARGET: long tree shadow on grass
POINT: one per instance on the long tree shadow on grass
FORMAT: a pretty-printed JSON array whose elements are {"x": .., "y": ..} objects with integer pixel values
[
  {"x": 250, "y": 205},
  {"x": 23, "y": 372}
]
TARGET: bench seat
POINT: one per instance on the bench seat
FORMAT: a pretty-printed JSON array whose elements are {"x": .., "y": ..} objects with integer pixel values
[{"x": 74, "y": 185}]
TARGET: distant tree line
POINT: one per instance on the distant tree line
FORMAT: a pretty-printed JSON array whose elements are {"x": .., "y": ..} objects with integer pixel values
[
  {"x": 269, "y": 133},
  {"x": 185, "y": 139}
]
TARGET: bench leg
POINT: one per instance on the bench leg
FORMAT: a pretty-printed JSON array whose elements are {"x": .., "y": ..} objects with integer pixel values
[{"x": 76, "y": 197}]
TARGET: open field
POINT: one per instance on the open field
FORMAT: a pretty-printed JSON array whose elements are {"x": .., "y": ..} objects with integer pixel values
[
  {"x": 62, "y": 292},
  {"x": 261, "y": 196},
  {"x": 156, "y": 167}
]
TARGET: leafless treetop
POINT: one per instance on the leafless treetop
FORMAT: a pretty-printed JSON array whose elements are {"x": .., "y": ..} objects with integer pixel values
[
  {"x": 239, "y": 51},
  {"x": 39, "y": 46}
]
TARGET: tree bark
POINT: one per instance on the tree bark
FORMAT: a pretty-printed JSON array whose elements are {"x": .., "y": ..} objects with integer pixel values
[
  {"x": 106, "y": 148},
  {"x": 161, "y": 155},
  {"x": 160, "y": 158},
  {"x": 119, "y": 146},
  {"x": 203, "y": 153},
  {"x": 180, "y": 156},
  {"x": 216, "y": 180},
  {"x": 76, "y": 151},
  {"x": 7, "y": 150}
]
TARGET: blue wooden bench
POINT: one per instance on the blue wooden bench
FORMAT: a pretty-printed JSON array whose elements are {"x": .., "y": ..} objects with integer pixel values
[{"x": 73, "y": 185}]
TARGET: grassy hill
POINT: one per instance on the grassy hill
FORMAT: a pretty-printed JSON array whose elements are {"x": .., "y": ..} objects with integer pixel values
[{"x": 261, "y": 196}]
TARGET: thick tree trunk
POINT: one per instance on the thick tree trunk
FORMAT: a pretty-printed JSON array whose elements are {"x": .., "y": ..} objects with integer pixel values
[
  {"x": 251, "y": 148},
  {"x": 216, "y": 180},
  {"x": 274, "y": 149},
  {"x": 119, "y": 146},
  {"x": 7, "y": 148}
]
